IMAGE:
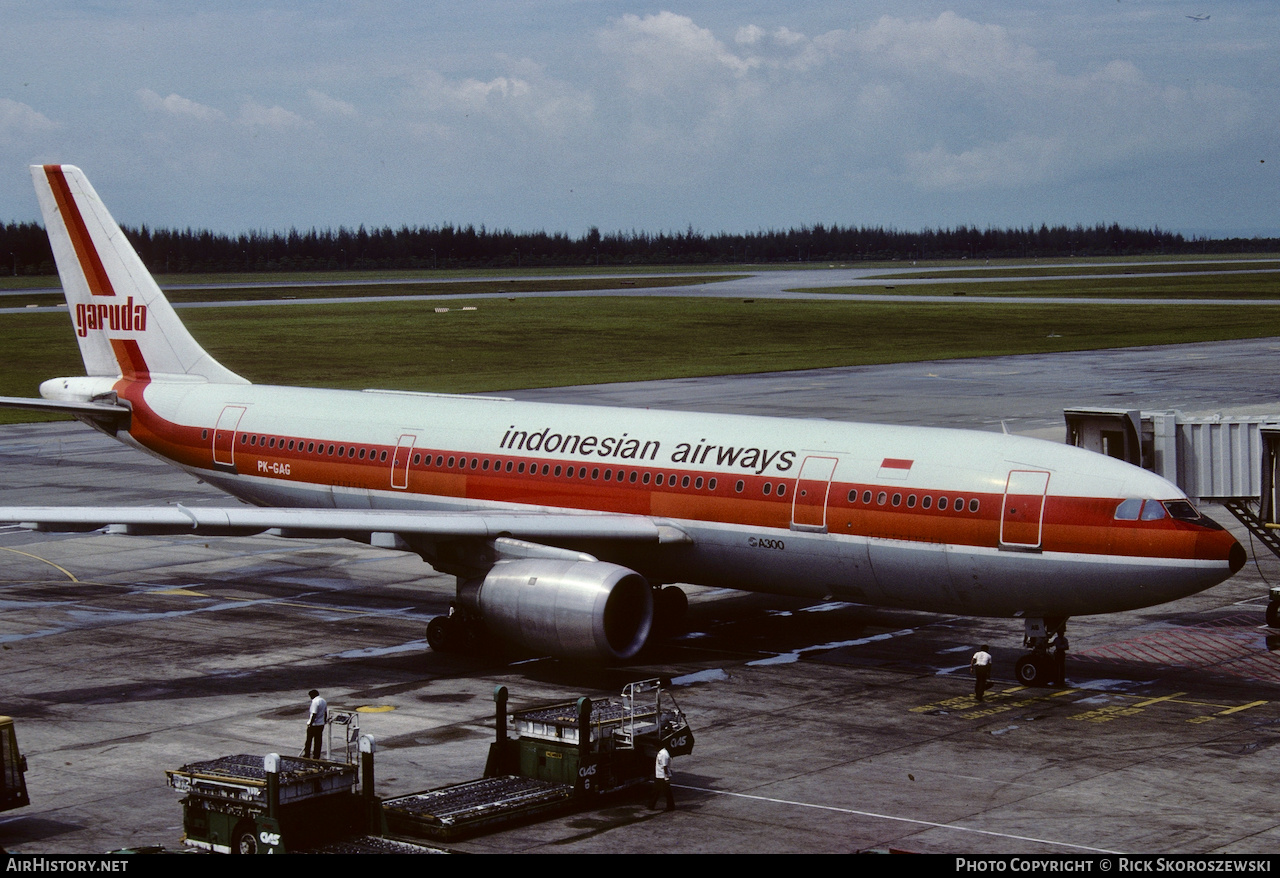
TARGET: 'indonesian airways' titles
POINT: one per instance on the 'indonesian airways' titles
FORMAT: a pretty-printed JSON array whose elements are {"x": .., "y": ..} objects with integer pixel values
[{"x": 625, "y": 447}]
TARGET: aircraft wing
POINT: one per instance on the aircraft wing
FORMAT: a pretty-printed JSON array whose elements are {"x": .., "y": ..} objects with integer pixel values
[{"x": 360, "y": 524}]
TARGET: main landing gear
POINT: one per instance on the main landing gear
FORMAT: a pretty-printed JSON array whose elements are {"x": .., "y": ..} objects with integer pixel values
[
  {"x": 1045, "y": 665},
  {"x": 456, "y": 632}
]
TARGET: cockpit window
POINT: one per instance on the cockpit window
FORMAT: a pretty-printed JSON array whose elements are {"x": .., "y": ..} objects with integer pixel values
[
  {"x": 1182, "y": 510},
  {"x": 1153, "y": 510},
  {"x": 1129, "y": 509}
]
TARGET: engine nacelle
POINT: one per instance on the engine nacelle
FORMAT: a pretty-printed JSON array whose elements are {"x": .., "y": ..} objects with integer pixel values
[{"x": 570, "y": 609}]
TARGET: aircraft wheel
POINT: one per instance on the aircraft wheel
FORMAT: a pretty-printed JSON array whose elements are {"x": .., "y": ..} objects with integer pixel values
[
  {"x": 441, "y": 636},
  {"x": 1032, "y": 670},
  {"x": 1273, "y": 614}
]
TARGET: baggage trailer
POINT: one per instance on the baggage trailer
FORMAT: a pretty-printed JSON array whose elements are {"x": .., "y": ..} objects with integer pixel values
[
  {"x": 251, "y": 804},
  {"x": 564, "y": 757}
]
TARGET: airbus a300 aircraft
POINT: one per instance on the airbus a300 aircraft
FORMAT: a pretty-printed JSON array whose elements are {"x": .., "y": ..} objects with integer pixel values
[{"x": 562, "y": 523}]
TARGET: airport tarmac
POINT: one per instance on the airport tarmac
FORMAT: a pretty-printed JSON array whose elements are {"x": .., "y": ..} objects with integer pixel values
[{"x": 820, "y": 728}]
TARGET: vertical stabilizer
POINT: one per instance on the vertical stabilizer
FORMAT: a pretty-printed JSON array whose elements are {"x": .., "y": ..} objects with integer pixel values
[{"x": 123, "y": 323}]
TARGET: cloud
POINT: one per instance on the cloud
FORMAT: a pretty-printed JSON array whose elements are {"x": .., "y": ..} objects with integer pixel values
[
  {"x": 329, "y": 106},
  {"x": 524, "y": 103},
  {"x": 662, "y": 51},
  {"x": 276, "y": 118},
  {"x": 17, "y": 120},
  {"x": 941, "y": 104},
  {"x": 176, "y": 105}
]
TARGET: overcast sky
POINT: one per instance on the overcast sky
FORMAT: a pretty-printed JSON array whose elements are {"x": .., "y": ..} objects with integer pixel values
[{"x": 564, "y": 114}]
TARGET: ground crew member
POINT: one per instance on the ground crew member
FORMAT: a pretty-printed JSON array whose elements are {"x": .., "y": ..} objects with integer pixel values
[
  {"x": 316, "y": 719},
  {"x": 980, "y": 667},
  {"x": 662, "y": 780},
  {"x": 1060, "y": 647}
]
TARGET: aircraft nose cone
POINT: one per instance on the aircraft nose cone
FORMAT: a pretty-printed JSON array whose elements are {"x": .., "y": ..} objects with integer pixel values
[{"x": 1237, "y": 557}]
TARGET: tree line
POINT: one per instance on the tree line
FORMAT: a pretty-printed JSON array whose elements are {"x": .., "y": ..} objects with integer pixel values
[{"x": 450, "y": 247}]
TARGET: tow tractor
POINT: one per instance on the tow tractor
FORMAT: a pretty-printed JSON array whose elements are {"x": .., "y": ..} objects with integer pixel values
[{"x": 563, "y": 757}]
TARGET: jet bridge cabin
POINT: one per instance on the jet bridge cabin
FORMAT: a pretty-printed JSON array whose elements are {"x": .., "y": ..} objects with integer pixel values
[{"x": 1231, "y": 459}]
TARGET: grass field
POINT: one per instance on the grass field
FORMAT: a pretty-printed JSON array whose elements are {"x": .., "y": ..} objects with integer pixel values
[
  {"x": 539, "y": 342},
  {"x": 551, "y": 342}
]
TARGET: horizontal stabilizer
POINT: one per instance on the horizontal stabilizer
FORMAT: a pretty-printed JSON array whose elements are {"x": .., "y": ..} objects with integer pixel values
[{"x": 107, "y": 414}]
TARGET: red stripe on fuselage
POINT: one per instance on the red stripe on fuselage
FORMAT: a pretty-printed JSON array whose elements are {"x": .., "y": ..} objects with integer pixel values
[
  {"x": 1080, "y": 525},
  {"x": 86, "y": 253}
]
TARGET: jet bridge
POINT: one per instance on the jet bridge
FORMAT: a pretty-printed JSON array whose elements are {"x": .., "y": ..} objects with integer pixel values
[{"x": 1227, "y": 459}]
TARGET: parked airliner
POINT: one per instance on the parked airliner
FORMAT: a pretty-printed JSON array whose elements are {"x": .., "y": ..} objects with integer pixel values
[{"x": 563, "y": 523}]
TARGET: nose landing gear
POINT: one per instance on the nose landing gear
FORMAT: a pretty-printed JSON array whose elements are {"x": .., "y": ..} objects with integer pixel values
[{"x": 1045, "y": 665}]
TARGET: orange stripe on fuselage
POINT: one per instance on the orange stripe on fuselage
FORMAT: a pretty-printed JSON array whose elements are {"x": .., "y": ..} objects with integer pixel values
[
  {"x": 86, "y": 254},
  {"x": 1080, "y": 525}
]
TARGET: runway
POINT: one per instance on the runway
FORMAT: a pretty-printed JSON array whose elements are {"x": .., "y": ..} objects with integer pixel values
[
  {"x": 810, "y": 282},
  {"x": 820, "y": 727}
]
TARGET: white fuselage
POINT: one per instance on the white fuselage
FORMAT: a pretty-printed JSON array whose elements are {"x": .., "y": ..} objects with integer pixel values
[{"x": 933, "y": 519}]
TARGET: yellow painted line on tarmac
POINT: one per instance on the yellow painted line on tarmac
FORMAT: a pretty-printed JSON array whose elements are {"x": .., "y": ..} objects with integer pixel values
[
  {"x": 1017, "y": 697},
  {"x": 1248, "y": 706},
  {"x": 1151, "y": 701},
  {"x": 57, "y": 567},
  {"x": 1227, "y": 712}
]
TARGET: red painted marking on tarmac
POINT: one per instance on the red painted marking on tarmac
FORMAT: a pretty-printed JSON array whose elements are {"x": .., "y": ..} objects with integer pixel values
[{"x": 1232, "y": 645}]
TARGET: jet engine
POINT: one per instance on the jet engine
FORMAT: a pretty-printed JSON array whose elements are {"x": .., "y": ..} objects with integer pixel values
[{"x": 570, "y": 609}]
